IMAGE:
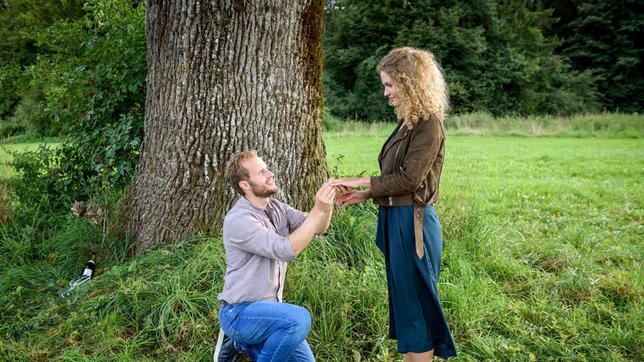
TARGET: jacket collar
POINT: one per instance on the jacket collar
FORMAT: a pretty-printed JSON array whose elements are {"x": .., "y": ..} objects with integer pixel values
[{"x": 396, "y": 136}]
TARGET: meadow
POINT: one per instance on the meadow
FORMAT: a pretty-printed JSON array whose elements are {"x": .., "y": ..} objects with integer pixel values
[
  {"x": 543, "y": 243},
  {"x": 542, "y": 261}
]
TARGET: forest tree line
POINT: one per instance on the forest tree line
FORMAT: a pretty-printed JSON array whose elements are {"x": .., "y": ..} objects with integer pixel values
[
  {"x": 67, "y": 61},
  {"x": 503, "y": 57}
]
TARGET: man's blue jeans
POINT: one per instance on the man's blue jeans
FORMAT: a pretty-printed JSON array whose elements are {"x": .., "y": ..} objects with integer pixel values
[{"x": 268, "y": 331}]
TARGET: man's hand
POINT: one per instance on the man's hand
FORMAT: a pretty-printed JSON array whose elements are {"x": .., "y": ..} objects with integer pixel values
[
  {"x": 349, "y": 194},
  {"x": 325, "y": 196}
]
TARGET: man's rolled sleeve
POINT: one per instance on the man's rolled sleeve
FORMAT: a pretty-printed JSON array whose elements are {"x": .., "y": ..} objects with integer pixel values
[
  {"x": 294, "y": 216},
  {"x": 247, "y": 233}
]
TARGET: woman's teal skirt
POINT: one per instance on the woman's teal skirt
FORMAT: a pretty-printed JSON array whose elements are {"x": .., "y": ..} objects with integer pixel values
[{"x": 416, "y": 319}]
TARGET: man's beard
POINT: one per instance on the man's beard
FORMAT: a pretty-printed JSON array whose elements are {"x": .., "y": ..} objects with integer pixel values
[{"x": 262, "y": 190}]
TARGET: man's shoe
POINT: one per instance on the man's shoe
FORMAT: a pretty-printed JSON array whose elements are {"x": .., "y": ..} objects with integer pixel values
[{"x": 226, "y": 350}]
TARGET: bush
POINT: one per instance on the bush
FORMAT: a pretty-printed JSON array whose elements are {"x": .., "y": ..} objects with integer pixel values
[
  {"x": 93, "y": 82},
  {"x": 8, "y": 129},
  {"x": 29, "y": 116},
  {"x": 9, "y": 76},
  {"x": 102, "y": 160},
  {"x": 329, "y": 121}
]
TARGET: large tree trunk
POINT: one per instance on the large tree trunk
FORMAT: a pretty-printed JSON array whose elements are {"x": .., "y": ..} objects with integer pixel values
[{"x": 225, "y": 76}]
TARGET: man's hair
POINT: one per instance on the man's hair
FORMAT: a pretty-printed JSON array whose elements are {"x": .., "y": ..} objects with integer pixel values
[{"x": 235, "y": 172}]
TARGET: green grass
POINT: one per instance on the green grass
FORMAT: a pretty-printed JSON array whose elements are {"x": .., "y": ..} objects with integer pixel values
[
  {"x": 542, "y": 261},
  {"x": 543, "y": 243}
]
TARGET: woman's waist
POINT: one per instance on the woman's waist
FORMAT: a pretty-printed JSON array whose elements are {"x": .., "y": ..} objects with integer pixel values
[
  {"x": 394, "y": 200},
  {"x": 405, "y": 200}
]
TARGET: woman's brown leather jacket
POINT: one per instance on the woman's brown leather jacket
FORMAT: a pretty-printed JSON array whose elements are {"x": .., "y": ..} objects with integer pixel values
[{"x": 411, "y": 162}]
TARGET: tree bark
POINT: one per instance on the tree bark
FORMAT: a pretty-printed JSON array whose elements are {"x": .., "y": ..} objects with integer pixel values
[{"x": 225, "y": 76}]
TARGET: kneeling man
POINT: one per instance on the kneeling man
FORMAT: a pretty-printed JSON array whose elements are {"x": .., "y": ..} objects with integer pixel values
[{"x": 261, "y": 235}]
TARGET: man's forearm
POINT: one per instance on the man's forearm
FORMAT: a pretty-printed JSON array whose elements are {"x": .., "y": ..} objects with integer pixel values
[
  {"x": 317, "y": 222},
  {"x": 326, "y": 221}
]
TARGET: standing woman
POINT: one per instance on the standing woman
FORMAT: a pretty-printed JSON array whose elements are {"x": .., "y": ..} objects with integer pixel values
[{"x": 409, "y": 232}]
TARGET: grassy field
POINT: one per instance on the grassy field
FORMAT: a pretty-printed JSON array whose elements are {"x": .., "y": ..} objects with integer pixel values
[
  {"x": 552, "y": 268},
  {"x": 542, "y": 261}
]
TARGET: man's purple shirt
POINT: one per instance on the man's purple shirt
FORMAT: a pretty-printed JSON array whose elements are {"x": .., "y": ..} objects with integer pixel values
[{"x": 257, "y": 250}]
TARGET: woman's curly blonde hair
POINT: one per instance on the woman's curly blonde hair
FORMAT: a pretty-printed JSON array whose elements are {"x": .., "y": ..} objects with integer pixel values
[{"x": 420, "y": 82}]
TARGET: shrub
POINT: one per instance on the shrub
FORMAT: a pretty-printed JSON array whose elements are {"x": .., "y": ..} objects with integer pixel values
[
  {"x": 93, "y": 81},
  {"x": 83, "y": 166},
  {"x": 329, "y": 121},
  {"x": 8, "y": 129}
]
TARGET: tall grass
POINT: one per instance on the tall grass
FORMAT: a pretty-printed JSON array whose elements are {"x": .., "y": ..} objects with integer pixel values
[
  {"x": 543, "y": 246},
  {"x": 604, "y": 125},
  {"x": 6, "y": 212},
  {"x": 618, "y": 125}
]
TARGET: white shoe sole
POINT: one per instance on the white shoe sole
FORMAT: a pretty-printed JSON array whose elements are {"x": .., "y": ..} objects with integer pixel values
[{"x": 220, "y": 340}]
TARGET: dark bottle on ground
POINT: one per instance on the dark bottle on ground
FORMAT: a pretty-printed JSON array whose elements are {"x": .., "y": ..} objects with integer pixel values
[{"x": 90, "y": 266}]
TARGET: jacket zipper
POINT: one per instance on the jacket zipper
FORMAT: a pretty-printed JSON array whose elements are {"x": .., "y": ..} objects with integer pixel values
[{"x": 393, "y": 168}]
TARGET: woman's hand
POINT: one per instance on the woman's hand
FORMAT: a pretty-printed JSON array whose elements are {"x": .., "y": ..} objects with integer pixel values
[
  {"x": 352, "y": 182},
  {"x": 353, "y": 197}
]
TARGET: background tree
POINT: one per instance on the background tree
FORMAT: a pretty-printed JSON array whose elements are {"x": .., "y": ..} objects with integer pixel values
[
  {"x": 605, "y": 37},
  {"x": 20, "y": 23},
  {"x": 223, "y": 77},
  {"x": 495, "y": 55}
]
